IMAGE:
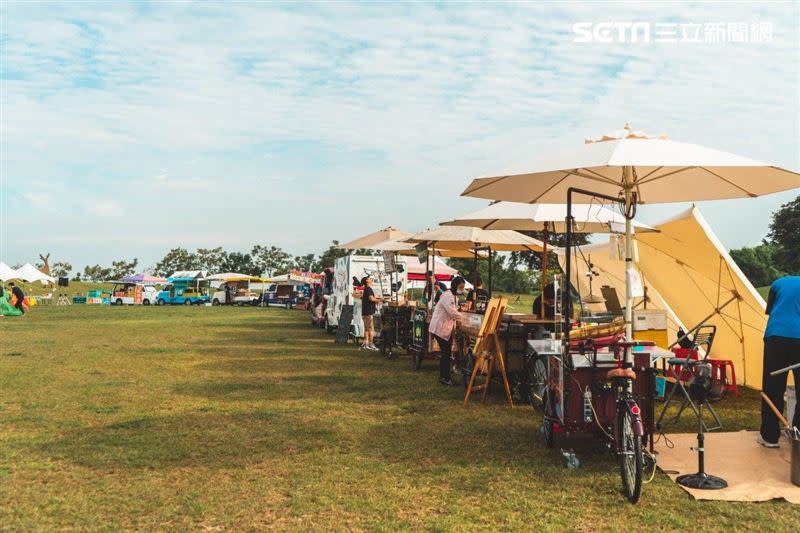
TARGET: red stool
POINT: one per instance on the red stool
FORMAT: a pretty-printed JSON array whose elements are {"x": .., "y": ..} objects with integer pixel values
[{"x": 719, "y": 371}]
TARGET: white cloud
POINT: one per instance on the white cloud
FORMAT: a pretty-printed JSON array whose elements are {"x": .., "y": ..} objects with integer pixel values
[{"x": 231, "y": 112}]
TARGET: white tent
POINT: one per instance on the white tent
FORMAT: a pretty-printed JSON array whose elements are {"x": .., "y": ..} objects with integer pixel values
[
  {"x": 30, "y": 273},
  {"x": 6, "y": 272}
]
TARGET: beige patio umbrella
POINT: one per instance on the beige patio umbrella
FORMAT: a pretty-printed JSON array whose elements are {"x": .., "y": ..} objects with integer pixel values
[
  {"x": 476, "y": 239},
  {"x": 591, "y": 218},
  {"x": 636, "y": 168},
  {"x": 370, "y": 240}
]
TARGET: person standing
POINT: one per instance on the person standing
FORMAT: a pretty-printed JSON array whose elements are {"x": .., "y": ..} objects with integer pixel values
[
  {"x": 781, "y": 349},
  {"x": 443, "y": 325},
  {"x": 19, "y": 295},
  {"x": 368, "y": 307}
]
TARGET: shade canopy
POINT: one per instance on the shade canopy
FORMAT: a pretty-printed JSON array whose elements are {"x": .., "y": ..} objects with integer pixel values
[
  {"x": 592, "y": 218},
  {"x": 190, "y": 274},
  {"x": 229, "y": 275},
  {"x": 416, "y": 271},
  {"x": 6, "y": 272},
  {"x": 30, "y": 273},
  {"x": 381, "y": 236},
  {"x": 662, "y": 171},
  {"x": 465, "y": 238},
  {"x": 143, "y": 278}
]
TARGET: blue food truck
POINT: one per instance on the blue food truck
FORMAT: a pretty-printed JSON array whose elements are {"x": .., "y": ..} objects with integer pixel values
[{"x": 185, "y": 288}]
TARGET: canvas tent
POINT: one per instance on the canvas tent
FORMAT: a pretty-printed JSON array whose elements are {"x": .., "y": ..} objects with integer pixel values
[
  {"x": 30, "y": 273},
  {"x": 694, "y": 277},
  {"x": 699, "y": 279},
  {"x": 7, "y": 273}
]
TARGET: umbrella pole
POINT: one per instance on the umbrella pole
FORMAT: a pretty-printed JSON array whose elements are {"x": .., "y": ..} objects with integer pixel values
[
  {"x": 628, "y": 180},
  {"x": 490, "y": 271},
  {"x": 543, "y": 281}
]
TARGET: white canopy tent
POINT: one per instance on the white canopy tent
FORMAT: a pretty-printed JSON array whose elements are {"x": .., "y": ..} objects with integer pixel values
[
  {"x": 30, "y": 273},
  {"x": 7, "y": 273}
]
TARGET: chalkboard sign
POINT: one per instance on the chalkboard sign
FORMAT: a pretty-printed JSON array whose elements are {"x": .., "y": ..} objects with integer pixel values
[{"x": 345, "y": 319}]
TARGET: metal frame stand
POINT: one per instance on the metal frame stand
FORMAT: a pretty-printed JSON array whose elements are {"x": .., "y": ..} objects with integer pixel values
[{"x": 701, "y": 480}]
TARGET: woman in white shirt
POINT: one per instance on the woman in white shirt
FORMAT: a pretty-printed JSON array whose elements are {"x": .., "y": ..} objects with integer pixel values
[{"x": 443, "y": 324}]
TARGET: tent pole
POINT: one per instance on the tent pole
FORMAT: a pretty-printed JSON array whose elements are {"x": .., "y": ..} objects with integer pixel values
[
  {"x": 543, "y": 281},
  {"x": 628, "y": 181}
]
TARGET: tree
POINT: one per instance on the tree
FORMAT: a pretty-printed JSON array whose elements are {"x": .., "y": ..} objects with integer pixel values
[
  {"x": 175, "y": 259},
  {"x": 328, "y": 257},
  {"x": 758, "y": 263},
  {"x": 120, "y": 269},
  {"x": 272, "y": 260},
  {"x": 60, "y": 269},
  {"x": 96, "y": 273},
  {"x": 242, "y": 263},
  {"x": 784, "y": 233},
  {"x": 305, "y": 263},
  {"x": 77, "y": 277},
  {"x": 45, "y": 263},
  {"x": 211, "y": 259}
]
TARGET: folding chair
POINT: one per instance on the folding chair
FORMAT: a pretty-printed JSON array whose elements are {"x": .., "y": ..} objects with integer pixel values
[{"x": 680, "y": 368}]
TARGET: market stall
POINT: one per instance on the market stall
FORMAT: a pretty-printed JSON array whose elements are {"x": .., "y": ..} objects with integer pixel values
[
  {"x": 625, "y": 168},
  {"x": 233, "y": 288}
]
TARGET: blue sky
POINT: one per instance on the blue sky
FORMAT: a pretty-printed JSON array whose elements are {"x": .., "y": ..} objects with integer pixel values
[{"x": 130, "y": 128}]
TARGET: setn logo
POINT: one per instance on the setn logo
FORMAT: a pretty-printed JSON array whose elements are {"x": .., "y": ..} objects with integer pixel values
[{"x": 609, "y": 32}]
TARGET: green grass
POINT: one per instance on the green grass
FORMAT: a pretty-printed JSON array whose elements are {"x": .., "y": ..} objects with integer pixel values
[{"x": 246, "y": 418}]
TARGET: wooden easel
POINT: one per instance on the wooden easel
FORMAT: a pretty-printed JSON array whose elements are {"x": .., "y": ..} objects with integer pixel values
[{"x": 487, "y": 350}]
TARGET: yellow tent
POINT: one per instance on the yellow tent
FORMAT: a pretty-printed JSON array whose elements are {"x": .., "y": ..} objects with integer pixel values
[
  {"x": 690, "y": 274},
  {"x": 694, "y": 273}
]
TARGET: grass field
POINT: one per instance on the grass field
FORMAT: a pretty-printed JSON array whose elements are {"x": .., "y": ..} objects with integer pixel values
[{"x": 246, "y": 418}]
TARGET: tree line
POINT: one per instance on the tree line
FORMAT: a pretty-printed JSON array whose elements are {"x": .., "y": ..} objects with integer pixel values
[{"x": 779, "y": 252}]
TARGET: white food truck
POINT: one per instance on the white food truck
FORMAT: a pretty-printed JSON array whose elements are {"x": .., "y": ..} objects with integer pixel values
[{"x": 352, "y": 268}]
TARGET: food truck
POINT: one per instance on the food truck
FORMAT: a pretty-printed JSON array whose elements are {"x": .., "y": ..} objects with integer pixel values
[
  {"x": 232, "y": 288},
  {"x": 185, "y": 288},
  {"x": 132, "y": 293},
  {"x": 347, "y": 275},
  {"x": 292, "y": 290}
]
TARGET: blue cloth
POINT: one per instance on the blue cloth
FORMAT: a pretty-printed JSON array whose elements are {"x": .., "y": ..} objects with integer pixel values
[{"x": 783, "y": 308}]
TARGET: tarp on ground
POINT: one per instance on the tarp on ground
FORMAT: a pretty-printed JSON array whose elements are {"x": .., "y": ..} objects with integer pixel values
[{"x": 695, "y": 278}]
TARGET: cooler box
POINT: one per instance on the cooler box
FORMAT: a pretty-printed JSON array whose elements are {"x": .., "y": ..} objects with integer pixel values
[{"x": 650, "y": 325}]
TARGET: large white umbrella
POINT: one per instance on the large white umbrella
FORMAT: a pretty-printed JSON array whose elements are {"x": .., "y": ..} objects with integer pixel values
[
  {"x": 377, "y": 237},
  {"x": 637, "y": 168},
  {"x": 589, "y": 218}
]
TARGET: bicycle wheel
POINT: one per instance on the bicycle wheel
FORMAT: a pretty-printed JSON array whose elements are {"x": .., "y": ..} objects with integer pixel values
[
  {"x": 537, "y": 374},
  {"x": 547, "y": 424},
  {"x": 629, "y": 449}
]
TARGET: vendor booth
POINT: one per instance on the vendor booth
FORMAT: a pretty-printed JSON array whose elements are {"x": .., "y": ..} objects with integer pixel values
[
  {"x": 624, "y": 169},
  {"x": 233, "y": 288},
  {"x": 132, "y": 293},
  {"x": 188, "y": 287},
  {"x": 292, "y": 290}
]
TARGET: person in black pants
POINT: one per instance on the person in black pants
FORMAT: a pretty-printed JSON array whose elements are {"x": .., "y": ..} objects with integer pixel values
[
  {"x": 17, "y": 292},
  {"x": 781, "y": 349},
  {"x": 443, "y": 325}
]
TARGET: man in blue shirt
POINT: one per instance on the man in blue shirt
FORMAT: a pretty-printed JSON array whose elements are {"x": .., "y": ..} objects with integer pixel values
[{"x": 781, "y": 349}]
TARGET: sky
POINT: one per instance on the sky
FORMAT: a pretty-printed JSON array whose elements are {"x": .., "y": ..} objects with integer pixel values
[{"x": 132, "y": 128}]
